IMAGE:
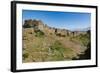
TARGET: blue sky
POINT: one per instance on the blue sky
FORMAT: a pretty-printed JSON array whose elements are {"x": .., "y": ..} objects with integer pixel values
[{"x": 63, "y": 20}]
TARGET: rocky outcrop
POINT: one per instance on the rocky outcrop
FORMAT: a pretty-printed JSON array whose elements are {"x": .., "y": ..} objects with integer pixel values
[
  {"x": 39, "y": 25},
  {"x": 61, "y": 32}
]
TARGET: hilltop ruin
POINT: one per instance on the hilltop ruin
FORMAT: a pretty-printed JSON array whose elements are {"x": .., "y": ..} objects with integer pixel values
[{"x": 39, "y": 25}]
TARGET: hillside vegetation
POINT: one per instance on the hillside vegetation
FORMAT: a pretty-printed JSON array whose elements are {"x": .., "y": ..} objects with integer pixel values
[{"x": 42, "y": 43}]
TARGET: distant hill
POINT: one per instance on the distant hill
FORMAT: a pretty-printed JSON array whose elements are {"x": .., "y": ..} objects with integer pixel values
[
  {"x": 83, "y": 29},
  {"x": 43, "y": 43}
]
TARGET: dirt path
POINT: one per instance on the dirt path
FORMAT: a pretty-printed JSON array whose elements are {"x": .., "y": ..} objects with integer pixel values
[{"x": 76, "y": 47}]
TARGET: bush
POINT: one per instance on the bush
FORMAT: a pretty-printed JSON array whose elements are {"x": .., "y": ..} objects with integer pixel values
[
  {"x": 25, "y": 55},
  {"x": 26, "y": 26},
  {"x": 85, "y": 39},
  {"x": 60, "y": 35},
  {"x": 58, "y": 51},
  {"x": 57, "y": 46},
  {"x": 39, "y": 33}
]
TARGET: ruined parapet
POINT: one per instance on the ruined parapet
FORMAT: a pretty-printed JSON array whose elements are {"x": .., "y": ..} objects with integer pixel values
[
  {"x": 35, "y": 24},
  {"x": 39, "y": 25},
  {"x": 28, "y": 31},
  {"x": 28, "y": 23},
  {"x": 60, "y": 32},
  {"x": 77, "y": 33},
  {"x": 51, "y": 31}
]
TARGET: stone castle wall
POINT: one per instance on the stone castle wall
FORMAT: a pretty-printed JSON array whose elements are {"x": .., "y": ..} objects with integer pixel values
[{"x": 38, "y": 24}]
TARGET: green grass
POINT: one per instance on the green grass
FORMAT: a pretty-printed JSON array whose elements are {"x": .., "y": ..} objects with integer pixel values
[
  {"x": 39, "y": 33},
  {"x": 41, "y": 47},
  {"x": 84, "y": 39},
  {"x": 57, "y": 56},
  {"x": 58, "y": 50}
]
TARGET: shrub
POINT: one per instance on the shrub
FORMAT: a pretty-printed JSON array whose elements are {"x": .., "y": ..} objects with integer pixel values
[
  {"x": 39, "y": 33},
  {"x": 26, "y": 26},
  {"x": 57, "y": 46},
  {"x": 60, "y": 35},
  {"x": 25, "y": 55},
  {"x": 58, "y": 51}
]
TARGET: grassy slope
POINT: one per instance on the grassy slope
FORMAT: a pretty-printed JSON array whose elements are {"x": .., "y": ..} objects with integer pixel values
[{"x": 39, "y": 47}]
